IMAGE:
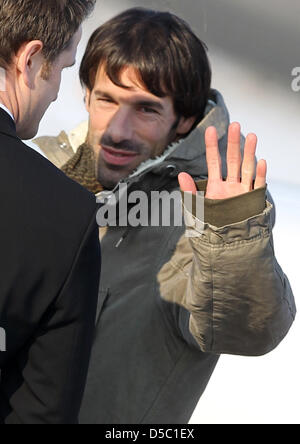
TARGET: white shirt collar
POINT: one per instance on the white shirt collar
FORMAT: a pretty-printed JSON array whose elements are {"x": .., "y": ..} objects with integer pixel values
[{"x": 7, "y": 110}]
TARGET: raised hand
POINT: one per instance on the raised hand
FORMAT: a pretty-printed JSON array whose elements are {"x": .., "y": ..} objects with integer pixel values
[{"x": 240, "y": 173}]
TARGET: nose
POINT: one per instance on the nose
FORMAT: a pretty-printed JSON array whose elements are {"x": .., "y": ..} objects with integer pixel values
[{"x": 121, "y": 125}]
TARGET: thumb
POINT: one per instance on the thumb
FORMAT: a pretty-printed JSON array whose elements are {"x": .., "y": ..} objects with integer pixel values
[{"x": 187, "y": 183}]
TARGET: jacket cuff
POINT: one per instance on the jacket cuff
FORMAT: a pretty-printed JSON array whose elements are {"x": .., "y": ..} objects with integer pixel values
[{"x": 222, "y": 212}]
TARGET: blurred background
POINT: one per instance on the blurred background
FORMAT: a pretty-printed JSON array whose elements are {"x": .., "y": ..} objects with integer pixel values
[{"x": 253, "y": 48}]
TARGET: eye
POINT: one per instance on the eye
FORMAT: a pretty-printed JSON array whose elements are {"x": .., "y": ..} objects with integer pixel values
[
  {"x": 147, "y": 110},
  {"x": 105, "y": 100}
]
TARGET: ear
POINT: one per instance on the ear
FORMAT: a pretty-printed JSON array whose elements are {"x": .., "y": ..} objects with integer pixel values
[
  {"x": 29, "y": 61},
  {"x": 185, "y": 125},
  {"x": 87, "y": 99}
]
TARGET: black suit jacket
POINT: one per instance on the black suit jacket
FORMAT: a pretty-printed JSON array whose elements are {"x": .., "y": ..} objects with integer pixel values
[{"x": 49, "y": 268}]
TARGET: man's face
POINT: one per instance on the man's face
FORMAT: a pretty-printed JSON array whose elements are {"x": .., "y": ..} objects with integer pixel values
[
  {"x": 127, "y": 126},
  {"x": 46, "y": 90}
]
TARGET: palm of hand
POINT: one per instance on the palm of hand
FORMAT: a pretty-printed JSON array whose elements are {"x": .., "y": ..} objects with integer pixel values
[
  {"x": 240, "y": 173},
  {"x": 225, "y": 190}
]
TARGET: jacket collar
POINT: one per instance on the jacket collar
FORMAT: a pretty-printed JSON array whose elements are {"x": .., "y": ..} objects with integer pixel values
[
  {"x": 7, "y": 125},
  {"x": 7, "y": 110}
]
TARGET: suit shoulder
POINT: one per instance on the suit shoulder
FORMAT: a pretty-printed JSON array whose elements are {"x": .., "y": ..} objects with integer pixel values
[{"x": 34, "y": 180}]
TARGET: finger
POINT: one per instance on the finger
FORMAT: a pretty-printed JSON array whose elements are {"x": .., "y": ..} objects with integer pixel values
[
  {"x": 213, "y": 158},
  {"x": 187, "y": 183},
  {"x": 234, "y": 156},
  {"x": 261, "y": 174},
  {"x": 248, "y": 166}
]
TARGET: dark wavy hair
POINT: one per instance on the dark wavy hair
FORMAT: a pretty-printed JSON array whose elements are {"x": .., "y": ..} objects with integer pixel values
[{"x": 169, "y": 58}]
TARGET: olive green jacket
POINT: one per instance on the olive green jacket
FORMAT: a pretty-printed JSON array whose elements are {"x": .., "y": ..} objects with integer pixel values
[{"x": 172, "y": 299}]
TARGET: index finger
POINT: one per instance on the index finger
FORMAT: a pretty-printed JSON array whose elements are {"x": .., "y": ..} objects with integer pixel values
[{"x": 213, "y": 158}]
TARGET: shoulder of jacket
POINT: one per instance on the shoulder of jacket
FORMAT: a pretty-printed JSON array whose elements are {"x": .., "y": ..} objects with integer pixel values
[
  {"x": 57, "y": 149},
  {"x": 39, "y": 190}
]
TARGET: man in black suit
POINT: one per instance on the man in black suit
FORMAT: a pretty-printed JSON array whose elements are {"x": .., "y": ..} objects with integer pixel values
[{"x": 50, "y": 255}]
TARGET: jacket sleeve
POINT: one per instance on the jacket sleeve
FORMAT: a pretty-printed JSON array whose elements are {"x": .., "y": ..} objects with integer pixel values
[
  {"x": 58, "y": 356},
  {"x": 231, "y": 295}
]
